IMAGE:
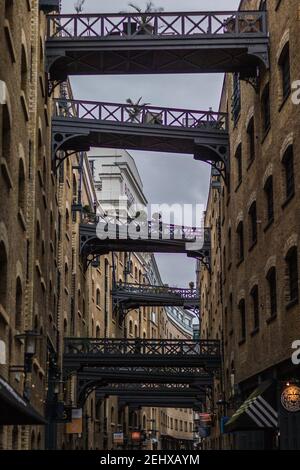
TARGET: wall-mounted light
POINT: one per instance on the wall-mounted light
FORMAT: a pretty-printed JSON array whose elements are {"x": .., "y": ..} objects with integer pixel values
[{"x": 30, "y": 337}]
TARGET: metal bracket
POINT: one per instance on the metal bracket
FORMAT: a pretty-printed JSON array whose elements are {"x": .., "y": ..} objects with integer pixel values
[
  {"x": 218, "y": 156},
  {"x": 58, "y": 141},
  {"x": 262, "y": 52}
]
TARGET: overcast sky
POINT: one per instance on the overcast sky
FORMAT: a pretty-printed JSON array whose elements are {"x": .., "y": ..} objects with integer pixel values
[{"x": 167, "y": 178}]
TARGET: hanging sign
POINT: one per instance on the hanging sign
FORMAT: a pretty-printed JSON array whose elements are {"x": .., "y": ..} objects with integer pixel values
[
  {"x": 290, "y": 398},
  {"x": 75, "y": 426}
]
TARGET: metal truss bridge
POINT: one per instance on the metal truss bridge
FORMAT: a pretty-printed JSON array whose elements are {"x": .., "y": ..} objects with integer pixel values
[{"x": 157, "y": 43}]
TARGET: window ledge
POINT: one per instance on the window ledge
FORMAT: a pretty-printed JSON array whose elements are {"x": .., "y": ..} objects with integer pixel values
[
  {"x": 254, "y": 332},
  {"x": 271, "y": 319},
  {"x": 288, "y": 199},
  {"x": 268, "y": 225},
  {"x": 6, "y": 173},
  {"x": 291, "y": 304}
]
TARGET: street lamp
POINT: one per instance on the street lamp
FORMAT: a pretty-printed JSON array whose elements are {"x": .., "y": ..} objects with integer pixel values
[{"x": 30, "y": 338}]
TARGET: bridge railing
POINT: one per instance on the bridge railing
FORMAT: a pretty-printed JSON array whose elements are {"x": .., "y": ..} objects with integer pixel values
[
  {"x": 162, "y": 24},
  {"x": 112, "y": 227},
  {"x": 141, "y": 114},
  {"x": 142, "y": 347},
  {"x": 144, "y": 289}
]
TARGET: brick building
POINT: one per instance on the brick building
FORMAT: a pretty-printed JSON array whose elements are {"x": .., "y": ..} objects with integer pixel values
[{"x": 251, "y": 297}]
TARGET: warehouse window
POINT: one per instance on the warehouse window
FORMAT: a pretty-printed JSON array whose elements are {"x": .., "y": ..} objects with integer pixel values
[
  {"x": 284, "y": 64},
  {"x": 98, "y": 297},
  {"x": 251, "y": 140},
  {"x": 19, "y": 305},
  {"x": 253, "y": 223},
  {"x": 240, "y": 241},
  {"x": 21, "y": 186},
  {"x": 255, "y": 307},
  {"x": 8, "y": 10},
  {"x": 272, "y": 291},
  {"x": 266, "y": 109},
  {"x": 292, "y": 271},
  {"x": 6, "y": 133},
  {"x": 242, "y": 313},
  {"x": 268, "y": 188},
  {"x": 239, "y": 164},
  {"x": 288, "y": 164},
  {"x": 236, "y": 98}
]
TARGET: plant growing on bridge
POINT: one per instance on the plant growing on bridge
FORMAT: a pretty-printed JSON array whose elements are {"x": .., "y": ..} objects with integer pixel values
[
  {"x": 145, "y": 16},
  {"x": 135, "y": 108},
  {"x": 79, "y": 6}
]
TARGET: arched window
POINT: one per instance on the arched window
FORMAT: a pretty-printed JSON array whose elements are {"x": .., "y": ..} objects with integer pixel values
[
  {"x": 21, "y": 186},
  {"x": 272, "y": 291},
  {"x": 239, "y": 164},
  {"x": 266, "y": 108},
  {"x": 3, "y": 275},
  {"x": 6, "y": 133},
  {"x": 285, "y": 70},
  {"x": 66, "y": 275},
  {"x": 288, "y": 165},
  {"x": 98, "y": 297},
  {"x": 19, "y": 305},
  {"x": 9, "y": 11},
  {"x": 130, "y": 327},
  {"x": 67, "y": 220},
  {"x": 268, "y": 189},
  {"x": 255, "y": 307},
  {"x": 242, "y": 314},
  {"x": 240, "y": 241},
  {"x": 292, "y": 272},
  {"x": 65, "y": 327},
  {"x": 135, "y": 331},
  {"x": 251, "y": 140},
  {"x": 97, "y": 331},
  {"x": 253, "y": 223},
  {"x": 24, "y": 71}
]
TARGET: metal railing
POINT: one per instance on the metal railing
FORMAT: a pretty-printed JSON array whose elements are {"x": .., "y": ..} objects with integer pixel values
[
  {"x": 141, "y": 114},
  {"x": 144, "y": 289},
  {"x": 117, "y": 227},
  {"x": 166, "y": 24},
  {"x": 141, "y": 347}
]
